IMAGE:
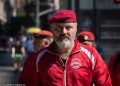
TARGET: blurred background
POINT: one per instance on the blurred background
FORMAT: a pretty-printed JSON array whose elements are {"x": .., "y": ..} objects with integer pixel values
[{"x": 17, "y": 17}]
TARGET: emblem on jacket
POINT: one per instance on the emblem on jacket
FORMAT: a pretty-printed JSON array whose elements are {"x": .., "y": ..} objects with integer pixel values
[{"x": 75, "y": 63}]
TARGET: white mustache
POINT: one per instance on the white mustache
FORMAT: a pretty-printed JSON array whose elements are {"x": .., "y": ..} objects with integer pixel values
[{"x": 64, "y": 36}]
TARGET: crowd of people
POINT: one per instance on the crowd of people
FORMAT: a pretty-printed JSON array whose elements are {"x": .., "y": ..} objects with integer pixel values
[
  {"x": 69, "y": 60},
  {"x": 20, "y": 47},
  {"x": 61, "y": 57}
]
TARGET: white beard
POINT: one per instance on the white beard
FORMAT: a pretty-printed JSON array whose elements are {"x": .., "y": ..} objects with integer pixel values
[{"x": 64, "y": 43}]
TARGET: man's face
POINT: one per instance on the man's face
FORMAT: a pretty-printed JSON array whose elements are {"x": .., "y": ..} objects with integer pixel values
[
  {"x": 64, "y": 33},
  {"x": 40, "y": 43},
  {"x": 89, "y": 43}
]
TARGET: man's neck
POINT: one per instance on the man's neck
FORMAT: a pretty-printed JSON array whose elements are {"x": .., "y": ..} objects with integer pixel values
[{"x": 65, "y": 52}]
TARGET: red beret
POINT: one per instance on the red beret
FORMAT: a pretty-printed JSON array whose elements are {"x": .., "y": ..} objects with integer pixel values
[
  {"x": 63, "y": 16},
  {"x": 43, "y": 34},
  {"x": 85, "y": 35}
]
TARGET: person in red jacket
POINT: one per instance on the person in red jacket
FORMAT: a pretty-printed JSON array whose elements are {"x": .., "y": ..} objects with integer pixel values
[
  {"x": 65, "y": 62},
  {"x": 88, "y": 38},
  {"x": 114, "y": 68}
]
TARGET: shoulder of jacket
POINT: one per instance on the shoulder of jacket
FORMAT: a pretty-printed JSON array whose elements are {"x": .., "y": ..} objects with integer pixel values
[
  {"x": 89, "y": 54},
  {"x": 39, "y": 56}
]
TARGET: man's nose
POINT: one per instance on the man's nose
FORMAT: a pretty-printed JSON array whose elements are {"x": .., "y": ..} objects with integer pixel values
[{"x": 64, "y": 30}]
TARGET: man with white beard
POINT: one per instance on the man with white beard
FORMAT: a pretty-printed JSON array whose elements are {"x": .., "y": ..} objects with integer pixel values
[
  {"x": 64, "y": 35},
  {"x": 66, "y": 62}
]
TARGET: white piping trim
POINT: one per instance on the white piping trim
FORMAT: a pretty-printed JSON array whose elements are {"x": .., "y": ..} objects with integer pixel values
[
  {"x": 39, "y": 57},
  {"x": 90, "y": 56},
  {"x": 65, "y": 77}
]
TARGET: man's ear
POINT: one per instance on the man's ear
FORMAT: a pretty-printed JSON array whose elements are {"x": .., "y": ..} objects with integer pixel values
[
  {"x": 46, "y": 43},
  {"x": 76, "y": 26}
]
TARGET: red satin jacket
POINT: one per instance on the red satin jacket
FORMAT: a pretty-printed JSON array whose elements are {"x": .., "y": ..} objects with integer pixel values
[{"x": 114, "y": 68}]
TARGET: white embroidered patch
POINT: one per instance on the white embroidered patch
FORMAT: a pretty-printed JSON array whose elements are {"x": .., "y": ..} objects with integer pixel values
[
  {"x": 75, "y": 63},
  {"x": 86, "y": 37}
]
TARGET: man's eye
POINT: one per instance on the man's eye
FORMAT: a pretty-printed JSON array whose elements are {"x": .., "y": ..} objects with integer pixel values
[{"x": 68, "y": 28}]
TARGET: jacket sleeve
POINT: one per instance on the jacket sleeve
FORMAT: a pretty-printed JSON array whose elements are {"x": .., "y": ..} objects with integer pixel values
[
  {"x": 29, "y": 76},
  {"x": 24, "y": 74},
  {"x": 101, "y": 76},
  {"x": 111, "y": 62}
]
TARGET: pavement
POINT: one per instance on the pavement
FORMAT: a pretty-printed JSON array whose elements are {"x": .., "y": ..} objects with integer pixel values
[
  {"x": 8, "y": 68},
  {"x": 8, "y": 76}
]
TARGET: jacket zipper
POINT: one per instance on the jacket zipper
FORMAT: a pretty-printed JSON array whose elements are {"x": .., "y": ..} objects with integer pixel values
[
  {"x": 64, "y": 65},
  {"x": 65, "y": 78},
  {"x": 65, "y": 82}
]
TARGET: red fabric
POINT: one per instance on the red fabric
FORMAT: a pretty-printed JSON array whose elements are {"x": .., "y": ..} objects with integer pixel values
[
  {"x": 29, "y": 76},
  {"x": 85, "y": 35},
  {"x": 78, "y": 70},
  {"x": 115, "y": 74},
  {"x": 42, "y": 34},
  {"x": 63, "y": 16}
]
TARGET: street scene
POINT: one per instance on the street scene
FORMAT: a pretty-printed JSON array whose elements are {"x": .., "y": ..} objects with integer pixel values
[
  {"x": 8, "y": 75},
  {"x": 27, "y": 27}
]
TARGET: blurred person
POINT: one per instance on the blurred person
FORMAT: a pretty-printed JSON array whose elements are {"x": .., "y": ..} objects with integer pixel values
[
  {"x": 18, "y": 53},
  {"x": 29, "y": 45},
  {"x": 114, "y": 68},
  {"x": 23, "y": 39},
  {"x": 99, "y": 47},
  {"x": 42, "y": 39},
  {"x": 10, "y": 43},
  {"x": 65, "y": 62},
  {"x": 88, "y": 38}
]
